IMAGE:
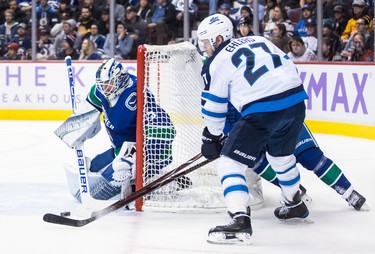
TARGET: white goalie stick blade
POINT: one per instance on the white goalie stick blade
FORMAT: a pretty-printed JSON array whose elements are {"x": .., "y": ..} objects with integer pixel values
[
  {"x": 78, "y": 128},
  {"x": 230, "y": 238},
  {"x": 297, "y": 221}
]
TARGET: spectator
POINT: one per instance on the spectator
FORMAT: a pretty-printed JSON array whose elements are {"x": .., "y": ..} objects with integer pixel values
[
  {"x": 268, "y": 12},
  {"x": 44, "y": 46},
  {"x": 22, "y": 39},
  {"x": 20, "y": 14},
  {"x": 95, "y": 37},
  {"x": 69, "y": 27},
  {"x": 57, "y": 29},
  {"x": 144, "y": 10},
  {"x": 162, "y": 23},
  {"x": 85, "y": 22},
  {"x": 225, "y": 10},
  {"x": 280, "y": 37},
  {"x": 307, "y": 13},
  {"x": 358, "y": 12},
  {"x": 362, "y": 27},
  {"x": 291, "y": 4},
  {"x": 278, "y": 17},
  {"x": 245, "y": 27},
  {"x": 311, "y": 38},
  {"x": 137, "y": 29},
  {"x": 96, "y": 7},
  {"x": 310, "y": 2},
  {"x": 298, "y": 52},
  {"x": 362, "y": 52},
  {"x": 8, "y": 30},
  {"x": 103, "y": 22},
  {"x": 3, "y": 6},
  {"x": 328, "y": 32},
  {"x": 327, "y": 48},
  {"x": 88, "y": 51},
  {"x": 119, "y": 11},
  {"x": 123, "y": 43},
  {"x": 69, "y": 49},
  {"x": 245, "y": 11},
  {"x": 328, "y": 8},
  {"x": 250, "y": 3},
  {"x": 66, "y": 9},
  {"x": 179, "y": 7},
  {"x": 340, "y": 20},
  {"x": 46, "y": 15},
  {"x": 12, "y": 53}
]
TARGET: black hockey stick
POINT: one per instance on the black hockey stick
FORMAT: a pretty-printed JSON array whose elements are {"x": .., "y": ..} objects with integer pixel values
[{"x": 161, "y": 181}]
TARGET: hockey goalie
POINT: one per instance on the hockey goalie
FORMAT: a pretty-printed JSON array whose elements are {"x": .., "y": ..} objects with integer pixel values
[{"x": 111, "y": 174}]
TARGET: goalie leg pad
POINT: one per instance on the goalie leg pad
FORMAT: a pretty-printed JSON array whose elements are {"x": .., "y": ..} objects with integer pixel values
[{"x": 100, "y": 188}]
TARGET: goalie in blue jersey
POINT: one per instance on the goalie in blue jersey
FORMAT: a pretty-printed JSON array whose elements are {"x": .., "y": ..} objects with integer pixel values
[{"x": 113, "y": 171}]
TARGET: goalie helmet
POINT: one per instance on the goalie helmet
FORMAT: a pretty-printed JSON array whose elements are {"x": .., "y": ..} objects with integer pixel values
[
  {"x": 112, "y": 78},
  {"x": 213, "y": 26}
]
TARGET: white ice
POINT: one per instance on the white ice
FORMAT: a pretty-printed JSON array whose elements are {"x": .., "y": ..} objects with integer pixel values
[{"x": 33, "y": 183}]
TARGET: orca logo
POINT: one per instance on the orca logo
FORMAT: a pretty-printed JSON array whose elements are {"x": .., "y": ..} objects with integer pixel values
[{"x": 131, "y": 101}]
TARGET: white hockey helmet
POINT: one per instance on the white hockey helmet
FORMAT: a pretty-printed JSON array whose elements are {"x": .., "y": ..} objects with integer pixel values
[
  {"x": 112, "y": 78},
  {"x": 213, "y": 26}
]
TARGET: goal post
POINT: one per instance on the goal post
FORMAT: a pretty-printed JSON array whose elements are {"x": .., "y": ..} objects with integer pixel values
[{"x": 172, "y": 74}]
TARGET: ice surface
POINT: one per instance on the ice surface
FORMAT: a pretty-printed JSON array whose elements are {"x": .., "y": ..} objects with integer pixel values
[{"x": 33, "y": 183}]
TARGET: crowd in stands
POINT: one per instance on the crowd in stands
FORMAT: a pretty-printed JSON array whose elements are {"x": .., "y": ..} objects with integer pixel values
[{"x": 80, "y": 28}]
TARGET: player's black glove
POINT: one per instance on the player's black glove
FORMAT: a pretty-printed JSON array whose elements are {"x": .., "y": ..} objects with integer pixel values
[{"x": 211, "y": 145}]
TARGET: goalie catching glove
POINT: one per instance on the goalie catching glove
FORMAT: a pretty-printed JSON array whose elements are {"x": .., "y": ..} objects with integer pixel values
[
  {"x": 211, "y": 145},
  {"x": 123, "y": 165}
]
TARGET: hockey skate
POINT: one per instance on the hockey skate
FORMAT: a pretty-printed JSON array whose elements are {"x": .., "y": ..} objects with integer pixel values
[
  {"x": 304, "y": 197},
  {"x": 239, "y": 231},
  {"x": 293, "y": 212},
  {"x": 357, "y": 201}
]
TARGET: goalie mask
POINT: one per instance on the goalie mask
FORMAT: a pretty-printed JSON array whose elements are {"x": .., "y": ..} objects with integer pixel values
[
  {"x": 112, "y": 78},
  {"x": 213, "y": 26}
]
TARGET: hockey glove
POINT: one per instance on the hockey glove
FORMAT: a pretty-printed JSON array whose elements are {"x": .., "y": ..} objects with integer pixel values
[
  {"x": 123, "y": 164},
  {"x": 211, "y": 145}
]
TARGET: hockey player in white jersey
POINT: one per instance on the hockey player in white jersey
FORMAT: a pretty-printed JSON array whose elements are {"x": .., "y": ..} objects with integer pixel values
[{"x": 262, "y": 83}]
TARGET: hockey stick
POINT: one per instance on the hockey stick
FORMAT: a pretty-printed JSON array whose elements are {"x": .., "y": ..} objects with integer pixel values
[
  {"x": 86, "y": 199},
  {"x": 161, "y": 181}
]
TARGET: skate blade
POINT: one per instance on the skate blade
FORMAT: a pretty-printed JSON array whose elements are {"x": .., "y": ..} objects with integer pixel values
[
  {"x": 229, "y": 238},
  {"x": 306, "y": 199},
  {"x": 297, "y": 221},
  {"x": 365, "y": 208}
]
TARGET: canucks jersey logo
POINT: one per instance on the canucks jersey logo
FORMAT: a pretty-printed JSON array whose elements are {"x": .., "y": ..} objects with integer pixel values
[{"x": 131, "y": 102}]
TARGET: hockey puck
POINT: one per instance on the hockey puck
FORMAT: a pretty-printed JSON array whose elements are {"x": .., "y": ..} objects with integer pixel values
[{"x": 65, "y": 214}]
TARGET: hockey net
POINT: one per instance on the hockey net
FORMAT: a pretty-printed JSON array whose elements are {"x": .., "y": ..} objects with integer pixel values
[{"x": 172, "y": 74}]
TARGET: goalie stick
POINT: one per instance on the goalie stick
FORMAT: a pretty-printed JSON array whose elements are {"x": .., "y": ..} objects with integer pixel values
[
  {"x": 161, "y": 181},
  {"x": 86, "y": 199}
]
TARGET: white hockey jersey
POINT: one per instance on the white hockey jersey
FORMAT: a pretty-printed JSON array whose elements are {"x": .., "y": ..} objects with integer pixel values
[{"x": 252, "y": 74}]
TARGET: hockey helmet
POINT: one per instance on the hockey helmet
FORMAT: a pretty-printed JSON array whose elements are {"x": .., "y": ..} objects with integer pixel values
[
  {"x": 213, "y": 26},
  {"x": 112, "y": 78}
]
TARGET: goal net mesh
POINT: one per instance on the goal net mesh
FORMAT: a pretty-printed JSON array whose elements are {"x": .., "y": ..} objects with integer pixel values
[{"x": 172, "y": 75}]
